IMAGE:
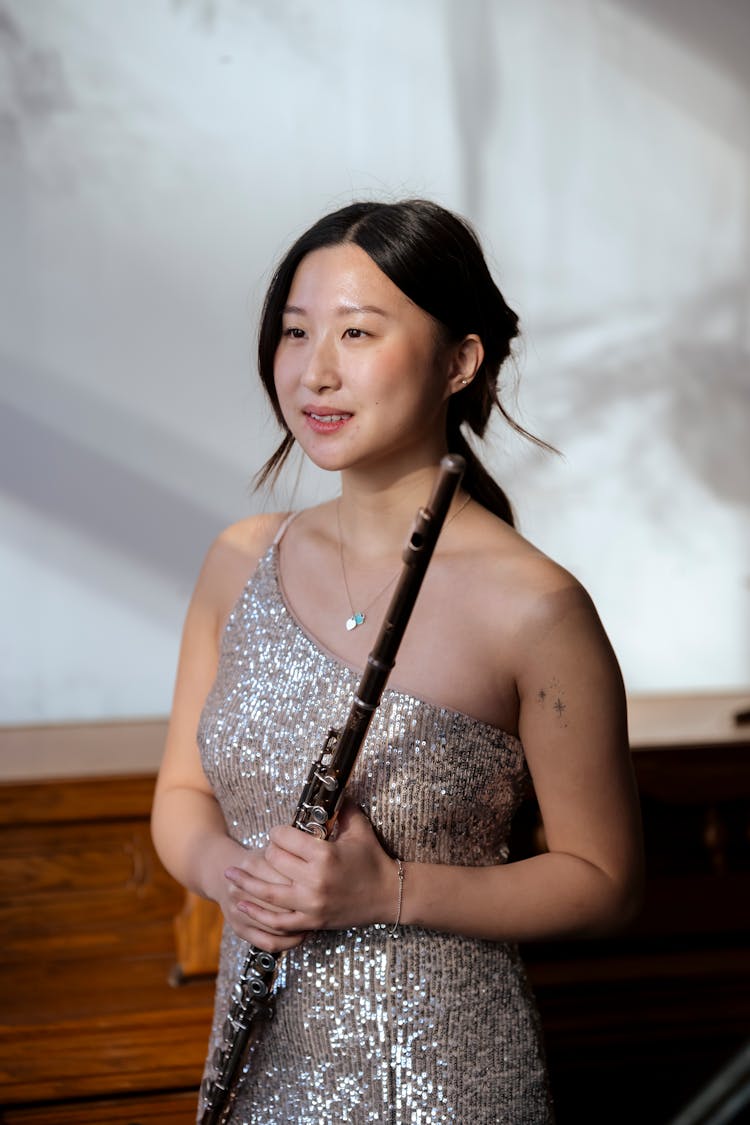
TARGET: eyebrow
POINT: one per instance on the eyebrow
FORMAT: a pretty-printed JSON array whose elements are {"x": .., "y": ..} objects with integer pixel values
[{"x": 342, "y": 310}]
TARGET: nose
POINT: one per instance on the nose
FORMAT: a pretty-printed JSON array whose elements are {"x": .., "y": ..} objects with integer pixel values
[{"x": 321, "y": 372}]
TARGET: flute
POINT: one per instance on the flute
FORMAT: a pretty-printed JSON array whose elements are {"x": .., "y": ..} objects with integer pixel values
[{"x": 323, "y": 793}]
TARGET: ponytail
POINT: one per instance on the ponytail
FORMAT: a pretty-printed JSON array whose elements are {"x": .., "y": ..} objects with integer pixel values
[{"x": 476, "y": 480}]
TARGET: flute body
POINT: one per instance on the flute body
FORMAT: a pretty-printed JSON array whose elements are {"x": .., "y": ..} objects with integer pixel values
[{"x": 323, "y": 793}]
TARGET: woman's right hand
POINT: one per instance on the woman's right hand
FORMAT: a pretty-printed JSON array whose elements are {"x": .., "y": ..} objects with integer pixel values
[{"x": 231, "y": 861}]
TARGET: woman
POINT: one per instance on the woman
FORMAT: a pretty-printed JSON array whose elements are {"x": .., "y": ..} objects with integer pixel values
[{"x": 402, "y": 997}]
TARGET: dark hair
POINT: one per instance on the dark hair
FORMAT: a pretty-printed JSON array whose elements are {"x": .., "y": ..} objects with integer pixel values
[{"x": 435, "y": 258}]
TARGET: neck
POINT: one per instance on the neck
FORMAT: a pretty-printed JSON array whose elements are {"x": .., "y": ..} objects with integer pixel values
[
  {"x": 376, "y": 515},
  {"x": 376, "y": 523}
]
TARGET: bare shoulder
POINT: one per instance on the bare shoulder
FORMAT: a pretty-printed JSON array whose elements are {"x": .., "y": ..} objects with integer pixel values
[
  {"x": 251, "y": 536},
  {"x": 232, "y": 558},
  {"x": 512, "y": 570},
  {"x": 556, "y": 627},
  {"x": 538, "y": 629},
  {"x": 521, "y": 597},
  {"x": 545, "y": 592}
]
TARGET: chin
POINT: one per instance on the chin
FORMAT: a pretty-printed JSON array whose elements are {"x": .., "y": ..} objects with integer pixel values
[{"x": 329, "y": 460}]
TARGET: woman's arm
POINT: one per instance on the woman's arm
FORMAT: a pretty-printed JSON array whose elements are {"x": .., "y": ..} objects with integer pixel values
[
  {"x": 573, "y": 725},
  {"x": 574, "y": 730},
  {"x": 187, "y": 824}
]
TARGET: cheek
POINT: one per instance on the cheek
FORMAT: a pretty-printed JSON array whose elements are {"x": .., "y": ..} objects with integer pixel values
[
  {"x": 282, "y": 388},
  {"x": 410, "y": 369},
  {"x": 281, "y": 376}
]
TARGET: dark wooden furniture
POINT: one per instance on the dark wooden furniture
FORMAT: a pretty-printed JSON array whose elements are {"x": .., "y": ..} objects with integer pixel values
[
  {"x": 637, "y": 1024},
  {"x": 94, "y": 1029},
  {"x": 91, "y": 1029}
]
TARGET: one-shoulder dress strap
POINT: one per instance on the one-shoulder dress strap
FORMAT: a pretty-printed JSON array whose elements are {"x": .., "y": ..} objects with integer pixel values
[{"x": 283, "y": 526}]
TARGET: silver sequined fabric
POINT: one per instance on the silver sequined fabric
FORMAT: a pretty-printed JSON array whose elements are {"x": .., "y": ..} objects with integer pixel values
[{"x": 424, "y": 1029}]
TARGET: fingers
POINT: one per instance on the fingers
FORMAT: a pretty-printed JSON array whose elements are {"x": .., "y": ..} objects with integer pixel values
[
  {"x": 288, "y": 844},
  {"x": 245, "y": 890},
  {"x": 268, "y": 941},
  {"x": 299, "y": 883},
  {"x": 279, "y": 907},
  {"x": 280, "y": 924},
  {"x": 264, "y": 926}
]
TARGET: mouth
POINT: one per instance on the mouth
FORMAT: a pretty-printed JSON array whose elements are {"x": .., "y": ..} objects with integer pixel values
[
  {"x": 325, "y": 421},
  {"x": 327, "y": 417}
]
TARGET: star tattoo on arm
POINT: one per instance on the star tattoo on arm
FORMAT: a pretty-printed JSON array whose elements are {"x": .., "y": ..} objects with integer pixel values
[{"x": 553, "y": 692}]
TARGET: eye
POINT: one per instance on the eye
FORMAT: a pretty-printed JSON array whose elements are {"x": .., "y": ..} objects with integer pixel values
[
  {"x": 293, "y": 333},
  {"x": 355, "y": 333}
]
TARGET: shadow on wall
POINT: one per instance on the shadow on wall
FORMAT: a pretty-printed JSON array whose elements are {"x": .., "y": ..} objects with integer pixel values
[
  {"x": 720, "y": 32},
  {"x": 703, "y": 390},
  {"x": 110, "y": 498}
]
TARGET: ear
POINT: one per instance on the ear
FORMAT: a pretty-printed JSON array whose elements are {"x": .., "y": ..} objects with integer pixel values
[{"x": 466, "y": 360}]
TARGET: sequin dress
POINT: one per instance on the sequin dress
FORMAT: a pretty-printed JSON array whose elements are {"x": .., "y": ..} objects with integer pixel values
[{"x": 423, "y": 1029}]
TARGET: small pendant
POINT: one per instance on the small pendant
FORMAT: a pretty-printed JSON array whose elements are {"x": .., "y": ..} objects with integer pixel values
[{"x": 355, "y": 620}]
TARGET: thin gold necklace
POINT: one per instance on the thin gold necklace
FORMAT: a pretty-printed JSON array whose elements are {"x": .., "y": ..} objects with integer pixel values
[{"x": 358, "y": 617}]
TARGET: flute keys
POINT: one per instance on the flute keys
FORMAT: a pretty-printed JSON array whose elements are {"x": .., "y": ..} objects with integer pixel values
[
  {"x": 232, "y": 1024},
  {"x": 257, "y": 987},
  {"x": 219, "y": 1060},
  {"x": 208, "y": 1090},
  {"x": 265, "y": 961},
  {"x": 238, "y": 996}
]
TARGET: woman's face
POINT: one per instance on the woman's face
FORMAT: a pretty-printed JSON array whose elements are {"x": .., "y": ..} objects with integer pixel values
[{"x": 360, "y": 372}]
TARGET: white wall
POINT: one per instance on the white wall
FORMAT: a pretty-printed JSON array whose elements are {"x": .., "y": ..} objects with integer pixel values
[{"x": 156, "y": 159}]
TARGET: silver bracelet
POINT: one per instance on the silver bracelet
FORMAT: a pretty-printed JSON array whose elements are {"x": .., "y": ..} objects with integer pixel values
[{"x": 393, "y": 930}]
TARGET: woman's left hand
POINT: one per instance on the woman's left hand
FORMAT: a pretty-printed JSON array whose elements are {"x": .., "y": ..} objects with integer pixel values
[{"x": 347, "y": 881}]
